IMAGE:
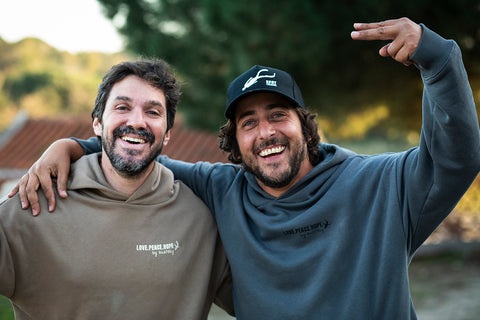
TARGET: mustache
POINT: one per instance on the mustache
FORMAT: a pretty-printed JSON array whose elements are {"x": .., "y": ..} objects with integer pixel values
[
  {"x": 143, "y": 133},
  {"x": 269, "y": 143}
]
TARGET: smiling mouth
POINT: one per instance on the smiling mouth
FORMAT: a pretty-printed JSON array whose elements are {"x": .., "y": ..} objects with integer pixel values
[
  {"x": 271, "y": 151},
  {"x": 133, "y": 140},
  {"x": 133, "y": 136}
]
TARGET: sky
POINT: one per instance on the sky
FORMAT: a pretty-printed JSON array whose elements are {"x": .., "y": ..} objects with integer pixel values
[{"x": 70, "y": 25}]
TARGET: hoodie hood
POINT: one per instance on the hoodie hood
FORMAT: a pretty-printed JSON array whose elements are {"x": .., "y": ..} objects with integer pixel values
[{"x": 92, "y": 180}]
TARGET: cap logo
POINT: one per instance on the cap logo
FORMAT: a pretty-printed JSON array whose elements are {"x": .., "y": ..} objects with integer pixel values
[{"x": 250, "y": 82}]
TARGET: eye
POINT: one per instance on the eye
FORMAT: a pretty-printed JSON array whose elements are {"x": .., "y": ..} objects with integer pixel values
[
  {"x": 153, "y": 113},
  {"x": 121, "y": 107},
  {"x": 248, "y": 123},
  {"x": 278, "y": 115}
]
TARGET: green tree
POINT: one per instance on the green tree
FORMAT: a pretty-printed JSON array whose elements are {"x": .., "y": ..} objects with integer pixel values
[
  {"x": 43, "y": 81},
  {"x": 26, "y": 83},
  {"x": 209, "y": 42}
]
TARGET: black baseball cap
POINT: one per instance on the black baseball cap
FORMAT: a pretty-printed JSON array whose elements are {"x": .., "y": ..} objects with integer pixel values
[{"x": 262, "y": 79}]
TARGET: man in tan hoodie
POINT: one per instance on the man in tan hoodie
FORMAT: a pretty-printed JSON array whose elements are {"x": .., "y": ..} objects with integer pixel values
[{"x": 130, "y": 242}]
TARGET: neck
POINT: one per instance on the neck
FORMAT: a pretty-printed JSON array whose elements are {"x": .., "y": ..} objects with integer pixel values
[
  {"x": 125, "y": 185},
  {"x": 277, "y": 192}
]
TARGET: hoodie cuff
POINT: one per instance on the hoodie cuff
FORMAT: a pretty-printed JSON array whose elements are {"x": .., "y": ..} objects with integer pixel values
[{"x": 433, "y": 51}]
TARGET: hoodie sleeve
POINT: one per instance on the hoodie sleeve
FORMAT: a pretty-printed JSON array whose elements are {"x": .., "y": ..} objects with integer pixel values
[
  {"x": 90, "y": 146},
  {"x": 435, "y": 175},
  {"x": 207, "y": 180}
]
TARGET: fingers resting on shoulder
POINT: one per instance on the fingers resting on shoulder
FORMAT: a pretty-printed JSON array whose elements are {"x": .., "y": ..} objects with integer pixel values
[{"x": 52, "y": 164}]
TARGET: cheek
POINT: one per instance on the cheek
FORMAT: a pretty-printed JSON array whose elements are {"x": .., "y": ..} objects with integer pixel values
[
  {"x": 246, "y": 145},
  {"x": 293, "y": 129},
  {"x": 244, "y": 142}
]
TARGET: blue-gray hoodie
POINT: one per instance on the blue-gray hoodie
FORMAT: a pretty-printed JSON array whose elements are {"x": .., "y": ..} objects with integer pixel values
[{"x": 338, "y": 244}]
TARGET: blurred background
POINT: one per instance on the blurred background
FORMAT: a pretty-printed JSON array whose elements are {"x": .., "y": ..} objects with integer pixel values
[{"x": 53, "y": 54}]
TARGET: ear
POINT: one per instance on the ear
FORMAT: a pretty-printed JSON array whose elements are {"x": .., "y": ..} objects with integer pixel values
[
  {"x": 166, "y": 138},
  {"x": 97, "y": 127}
]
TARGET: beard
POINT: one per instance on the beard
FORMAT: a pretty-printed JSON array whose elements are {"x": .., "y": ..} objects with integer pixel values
[
  {"x": 129, "y": 166},
  {"x": 280, "y": 179}
]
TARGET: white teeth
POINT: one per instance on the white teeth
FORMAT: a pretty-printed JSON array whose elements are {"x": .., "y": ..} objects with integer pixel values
[
  {"x": 133, "y": 140},
  {"x": 267, "y": 152}
]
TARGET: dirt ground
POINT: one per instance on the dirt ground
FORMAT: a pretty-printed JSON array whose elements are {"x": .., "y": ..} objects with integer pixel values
[{"x": 445, "y": 285}]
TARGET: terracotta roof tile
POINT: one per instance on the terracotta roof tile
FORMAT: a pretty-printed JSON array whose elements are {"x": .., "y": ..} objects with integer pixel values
[{"x": 35, "y": 135}]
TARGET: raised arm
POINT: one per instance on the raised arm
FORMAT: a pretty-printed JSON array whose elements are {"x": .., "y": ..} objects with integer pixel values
[
  {"x": 434, "y": 176},
  {"x": 54, "y": 163}
]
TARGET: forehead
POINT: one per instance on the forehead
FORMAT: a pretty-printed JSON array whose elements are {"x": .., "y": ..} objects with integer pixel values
[
  {"x": 136, "y": 89},
  {"x": 261, "y": 101}
]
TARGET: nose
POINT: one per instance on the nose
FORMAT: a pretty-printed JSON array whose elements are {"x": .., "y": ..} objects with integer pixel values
[
  {"x": 136, "y": 118},
  {"x": 266, "y": 129}
]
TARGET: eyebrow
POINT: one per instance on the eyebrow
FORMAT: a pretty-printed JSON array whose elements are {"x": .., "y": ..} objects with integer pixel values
[
  {"x": 123, "y": 98},
  {"x": 245, "y": 114},
  {"x": 269, "y": 107},
  {"x": 150, "y": 102}
]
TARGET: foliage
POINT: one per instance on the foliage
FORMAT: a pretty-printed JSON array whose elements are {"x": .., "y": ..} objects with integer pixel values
[
  {"x": 39, "y": 79},
  {"x": 26, "y": 83},
  {"x": 210, "y": 42}
]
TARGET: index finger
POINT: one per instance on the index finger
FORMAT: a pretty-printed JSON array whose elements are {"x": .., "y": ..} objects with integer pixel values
[
  {"x": 374, "y": 31},
  {"x": 373, "y": 25}
]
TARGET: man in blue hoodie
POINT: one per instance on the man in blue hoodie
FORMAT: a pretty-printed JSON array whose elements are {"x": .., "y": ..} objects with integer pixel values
[{"x": 312, "y": 230}]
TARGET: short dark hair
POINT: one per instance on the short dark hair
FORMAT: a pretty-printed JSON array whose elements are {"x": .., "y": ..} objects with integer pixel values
[
  {"x": 155, "y": 71},
  {"x": 229, "y": 143}
]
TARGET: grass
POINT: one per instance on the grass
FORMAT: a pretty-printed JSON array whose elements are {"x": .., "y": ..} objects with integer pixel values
[{"x": 6, "y": 310}]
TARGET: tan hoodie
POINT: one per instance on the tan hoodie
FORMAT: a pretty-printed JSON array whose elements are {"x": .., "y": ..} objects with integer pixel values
[{"x": 101, "y": 255}]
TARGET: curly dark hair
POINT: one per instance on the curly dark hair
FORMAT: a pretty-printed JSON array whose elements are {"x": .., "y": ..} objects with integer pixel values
[
  {"x": 154, "y": 71},
  {"x": 228, "y": 141}
]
